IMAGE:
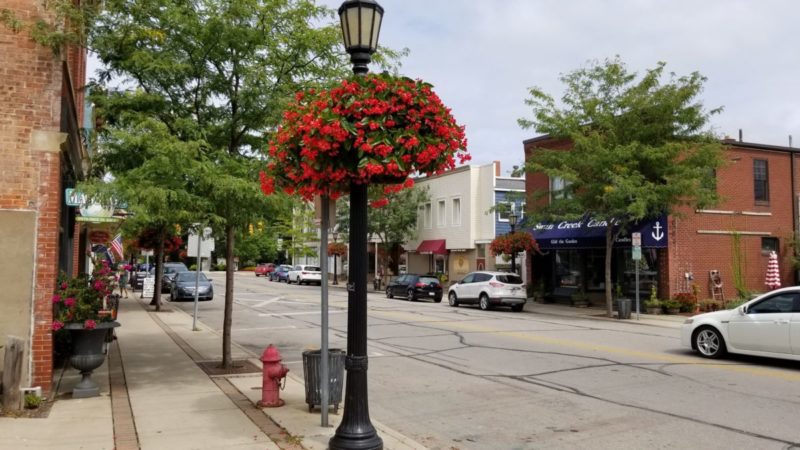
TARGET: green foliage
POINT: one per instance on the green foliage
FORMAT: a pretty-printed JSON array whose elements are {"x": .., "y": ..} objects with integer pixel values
[
  {"x": 63, "y": 23},
  {"x": 32, "y": 401},
  {"x": 639, "y": 146},
  {"x": 298, "y": 230},
  {"x": 737, "y": 266}
]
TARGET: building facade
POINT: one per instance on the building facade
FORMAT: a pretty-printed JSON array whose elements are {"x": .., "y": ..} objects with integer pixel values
[
  {"x": 721, "y": 252},
  {"x": 41, "y": 107}
]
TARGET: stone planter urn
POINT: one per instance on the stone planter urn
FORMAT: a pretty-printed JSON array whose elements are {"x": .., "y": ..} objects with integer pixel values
[{"x": 88, "y": 353}]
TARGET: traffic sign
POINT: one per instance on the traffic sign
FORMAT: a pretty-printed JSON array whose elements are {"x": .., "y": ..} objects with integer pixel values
[
  {"x": 636, "y": 255},
  {"x": 636, "y": 239}
]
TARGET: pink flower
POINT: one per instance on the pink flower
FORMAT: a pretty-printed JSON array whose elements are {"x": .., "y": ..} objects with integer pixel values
[
  {"x": 56, "y": 298},
  {"x": 63, "y": 286},
  {"x": 70, "y": 302},
  {"x": 57, "y": 325},
  {"x": 89, "y": 324},
  {"x": 99, "y": 285}
]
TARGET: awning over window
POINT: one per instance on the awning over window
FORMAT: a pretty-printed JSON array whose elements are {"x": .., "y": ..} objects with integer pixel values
[
  {"x": 591, "y": 233},
  {"x": 433, "y": 246}
]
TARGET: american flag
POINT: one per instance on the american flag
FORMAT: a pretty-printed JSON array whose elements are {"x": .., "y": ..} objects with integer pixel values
[{"x": 116, "y": 245}]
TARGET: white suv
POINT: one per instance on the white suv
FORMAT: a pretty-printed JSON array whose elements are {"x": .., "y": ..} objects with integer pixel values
[
  {"x": 303, "y": 273},
  {"x": 489, "y": 289}
]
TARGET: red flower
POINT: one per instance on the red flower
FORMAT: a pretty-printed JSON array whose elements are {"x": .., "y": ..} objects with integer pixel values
[
  {"x": 511, "y": 243},
  {"x": 365, "y": 130},
  {"x": 89, "y": 324}
]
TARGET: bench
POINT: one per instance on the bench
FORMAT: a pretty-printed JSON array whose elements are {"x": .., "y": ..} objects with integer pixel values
[{"x": 562, "y": 295}]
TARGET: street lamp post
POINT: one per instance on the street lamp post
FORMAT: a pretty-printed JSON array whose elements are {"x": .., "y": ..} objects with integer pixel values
[
  {"x": 512, "y": 220},
  {"x": 361, "y": 23},
  {"x": 335, "y": 276}
]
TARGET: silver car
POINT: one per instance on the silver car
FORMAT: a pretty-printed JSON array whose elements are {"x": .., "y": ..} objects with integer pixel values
[{"x": 489, "y": 289}]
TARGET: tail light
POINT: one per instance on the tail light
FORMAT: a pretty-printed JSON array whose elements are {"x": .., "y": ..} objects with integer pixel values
[
  {"x": 304, "y": 273},
  {"x": 420, "y": 284},
  {"x": 495, "y": 284}
]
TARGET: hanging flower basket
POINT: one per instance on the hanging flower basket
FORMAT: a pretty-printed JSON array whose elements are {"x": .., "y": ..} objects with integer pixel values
[
  {"x": 513, "y": 243},
  {"x": 374, "y": 129}
]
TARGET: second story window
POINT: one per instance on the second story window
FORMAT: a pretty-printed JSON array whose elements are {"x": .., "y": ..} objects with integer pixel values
[
  {"x": 558, "y": 188},
  {"x": 761, "y": 180},
  {"x": 428, "y": 215},
  {"x": 456, "y": 211},
  {"x": 441, "y": 216}
]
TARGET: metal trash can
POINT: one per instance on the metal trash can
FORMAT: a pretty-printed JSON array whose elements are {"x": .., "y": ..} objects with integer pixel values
[
  {"x": 624, "y": 308},
  {"x": 376, "y": 283},
  {"x": 311, "y": 374}
]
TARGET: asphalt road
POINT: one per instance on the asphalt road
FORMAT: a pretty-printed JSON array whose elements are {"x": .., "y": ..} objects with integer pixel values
[{"x": 461, "y": 378}]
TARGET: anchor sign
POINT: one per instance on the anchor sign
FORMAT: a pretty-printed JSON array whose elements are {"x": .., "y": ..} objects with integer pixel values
[{"x": 657, "y": 234}]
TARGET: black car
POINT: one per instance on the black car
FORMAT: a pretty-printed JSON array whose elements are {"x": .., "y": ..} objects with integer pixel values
[
  {"x": 183, "y": 284},
  {"x": 138, "y": 274},
  {"x": 415, "y": 287},
  {"x": 170, "y": 269}
]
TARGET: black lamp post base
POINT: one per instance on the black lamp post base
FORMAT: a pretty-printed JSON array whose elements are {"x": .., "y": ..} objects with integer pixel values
[{"x": 368, "y": 441}]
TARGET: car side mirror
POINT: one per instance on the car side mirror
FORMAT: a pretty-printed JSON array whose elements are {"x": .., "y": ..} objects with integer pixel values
[{"x": 742, "y": 310}]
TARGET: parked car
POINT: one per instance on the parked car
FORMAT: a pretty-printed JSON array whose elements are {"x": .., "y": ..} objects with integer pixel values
[
  {"x": 489, "y": 289},
  {"x": 414, "y": 287},
  {"x": 263, "y": 270},
  {"x": 281, "y": 273},
  {"x": 764, "y": 326},
  {"x": 183, "y": 284},
  {"x": 304, "y": 273},
  {"x": 170, "y": 269},
  {"x": 139, "y": 274}
]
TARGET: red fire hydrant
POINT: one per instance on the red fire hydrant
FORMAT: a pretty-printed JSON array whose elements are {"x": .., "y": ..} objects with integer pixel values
[{"x": 274, "y": 371}]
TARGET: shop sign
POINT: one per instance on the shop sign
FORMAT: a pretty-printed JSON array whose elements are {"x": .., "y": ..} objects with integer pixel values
[{"x": 99, "y": 236}]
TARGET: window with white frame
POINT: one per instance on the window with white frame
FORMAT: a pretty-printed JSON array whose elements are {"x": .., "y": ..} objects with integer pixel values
[
  {"x": 428, "y": 215},
  {"x": 420, "y": 217},
  {"x": 441, "y": 216},
  {"x": 558, "y": 188},
  {"x": 507, "y": 208},
  {"x": 457, "y": 211}
]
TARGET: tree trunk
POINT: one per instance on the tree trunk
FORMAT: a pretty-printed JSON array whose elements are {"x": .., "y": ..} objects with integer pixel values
[
  {"x": 227, "y": 362},
  {"x": 159, "y": 270},
  {"x": 609, "y": 252}
]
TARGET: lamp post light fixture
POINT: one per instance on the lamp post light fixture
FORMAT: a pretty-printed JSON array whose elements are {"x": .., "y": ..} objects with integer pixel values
[
  {"x": 361, "y": 24},
  {"x": 512, "y": 220},
  {"x": 335, "y": 235}
]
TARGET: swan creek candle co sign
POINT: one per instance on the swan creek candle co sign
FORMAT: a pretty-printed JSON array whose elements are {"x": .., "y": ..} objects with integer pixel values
[{"x": 590, "y": 233}]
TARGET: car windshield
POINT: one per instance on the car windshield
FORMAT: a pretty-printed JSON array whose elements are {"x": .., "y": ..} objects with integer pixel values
[
  {"x": 509, "y": 279},
  {"x": 428, "y": 280},
  {"x": 190, "y": 276}
]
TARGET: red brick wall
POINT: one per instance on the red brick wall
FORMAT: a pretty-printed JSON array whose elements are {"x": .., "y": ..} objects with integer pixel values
[
  {"x": 693, "y": 249},
  {"x": 30, "y": 176}
]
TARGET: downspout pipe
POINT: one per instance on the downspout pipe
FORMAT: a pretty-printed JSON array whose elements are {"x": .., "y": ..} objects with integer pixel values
[{"x": 794, "y": 211}]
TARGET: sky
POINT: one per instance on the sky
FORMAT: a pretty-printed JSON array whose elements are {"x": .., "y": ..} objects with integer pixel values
[{"x": 483, "y": 55}]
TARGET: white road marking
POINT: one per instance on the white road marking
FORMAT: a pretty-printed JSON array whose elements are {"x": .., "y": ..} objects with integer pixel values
[
  {"x": 287, "y": 327},
  {"x": 297, "y": 313}
]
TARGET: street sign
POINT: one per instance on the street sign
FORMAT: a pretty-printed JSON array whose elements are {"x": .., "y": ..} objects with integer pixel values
[
  {"x": 636, "y": 255},
  {"x": 636, "y": 239},
  {"x": 206, "y": 244}
]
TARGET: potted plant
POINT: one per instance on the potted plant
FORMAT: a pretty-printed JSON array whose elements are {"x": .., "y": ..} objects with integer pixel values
[
  {"x": 653, "y": 305},
  {"x": 580, "y": 299},
  {"x": 672, "y": 306},
  {"x": 82, "y": 307}
]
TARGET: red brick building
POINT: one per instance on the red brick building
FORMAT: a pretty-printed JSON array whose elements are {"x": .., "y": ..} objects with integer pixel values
[
  {"x": 41, "y": 107},
  {"x": 757, "y": 214}
]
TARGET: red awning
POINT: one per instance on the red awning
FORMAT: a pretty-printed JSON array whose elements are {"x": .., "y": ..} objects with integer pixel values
[{"x": 435, "y": 246}]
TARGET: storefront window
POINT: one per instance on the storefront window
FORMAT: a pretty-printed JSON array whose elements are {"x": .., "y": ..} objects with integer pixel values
[
  {"x": 595, "y": 270},
  {"x": 648, "y": 271},
  {"x": 568, "y": 268}
]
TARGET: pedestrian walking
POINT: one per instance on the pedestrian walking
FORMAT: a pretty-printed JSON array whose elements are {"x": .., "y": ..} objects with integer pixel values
[{"x": 123, "y": 280}]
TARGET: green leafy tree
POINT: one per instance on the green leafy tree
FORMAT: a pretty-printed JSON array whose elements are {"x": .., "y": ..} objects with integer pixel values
[
  {"x": 299, "y": 230},
  {"x": 219, "y": 73},
  {"x": 639, "y": 146}
]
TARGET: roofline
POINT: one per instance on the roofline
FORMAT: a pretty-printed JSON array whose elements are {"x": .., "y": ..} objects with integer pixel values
[{"x": 728, "y": 142}]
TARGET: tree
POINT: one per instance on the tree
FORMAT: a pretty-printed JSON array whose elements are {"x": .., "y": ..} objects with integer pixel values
[
  {"x": 639, "y": 147},
  {"x": 297, "y": 231},
  {"x": 219, "y": 73}
]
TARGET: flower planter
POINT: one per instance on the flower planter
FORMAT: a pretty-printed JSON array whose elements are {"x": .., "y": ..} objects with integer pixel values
[
  {"x": 89, "y": 352},
  {"x": 654, "y": 310},
  {"x": 673, "y": 310}
]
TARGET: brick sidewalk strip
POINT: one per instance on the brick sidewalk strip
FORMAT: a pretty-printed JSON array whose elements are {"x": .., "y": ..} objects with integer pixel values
[{"x": 125, "y": 437}]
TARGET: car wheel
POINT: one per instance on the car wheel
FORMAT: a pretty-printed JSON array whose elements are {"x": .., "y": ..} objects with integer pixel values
[
  {"x": 389, "y": 293},
  {"x": 516, "y": 308},
  {"x": 709, "y": 343},
  {"x": 410, "y": 295},
  {"x": 452, "y": 299},
  {"x": 484, "y": 302}
]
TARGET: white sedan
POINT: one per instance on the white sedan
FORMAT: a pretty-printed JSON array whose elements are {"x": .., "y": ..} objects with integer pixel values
[{"x": 768, "y": 325}]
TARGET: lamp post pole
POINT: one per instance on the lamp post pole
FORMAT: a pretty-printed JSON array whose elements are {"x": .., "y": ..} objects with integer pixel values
[
  {"x": 512, "y": 220},
  {"x": 361, "y": 21},
  {"x": 335, "y": 276}
]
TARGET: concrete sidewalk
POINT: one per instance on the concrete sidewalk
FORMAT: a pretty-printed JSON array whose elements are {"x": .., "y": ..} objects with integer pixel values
[{"x": 155, "y": 395}]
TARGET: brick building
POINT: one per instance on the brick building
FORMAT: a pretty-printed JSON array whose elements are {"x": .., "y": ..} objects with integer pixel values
[
  {"x": 757, "y": 214},
  {"x": 42, "y": 153}
]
